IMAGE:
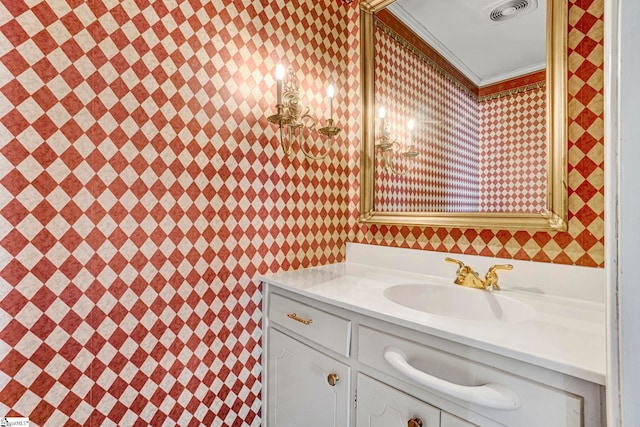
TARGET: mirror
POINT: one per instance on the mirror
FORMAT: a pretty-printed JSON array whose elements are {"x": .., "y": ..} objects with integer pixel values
[{"x": 426, "y": 163}]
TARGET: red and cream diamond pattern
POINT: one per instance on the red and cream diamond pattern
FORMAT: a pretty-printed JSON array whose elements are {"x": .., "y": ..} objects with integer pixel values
[
  {"x": 513, "y": 153},
  {"x": 143, "y": 189},
  {"x": 474, "y": 155},
  {"x": 445, "y": 174},
  {"x": 583, "y": 243}
]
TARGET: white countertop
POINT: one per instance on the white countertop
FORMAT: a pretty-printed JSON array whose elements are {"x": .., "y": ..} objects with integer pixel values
[{"x": 565, "y": 334}]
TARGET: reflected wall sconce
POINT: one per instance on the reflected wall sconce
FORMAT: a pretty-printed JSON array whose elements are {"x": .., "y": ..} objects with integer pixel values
[
  {"x": 296, "y": 118},
  {"x": 392, "y": 150}
]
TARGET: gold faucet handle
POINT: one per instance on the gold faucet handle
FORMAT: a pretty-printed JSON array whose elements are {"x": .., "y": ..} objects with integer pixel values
[
  {"x": 495, "y": 267},
  {"x": 491, "y": 278},
  {"x": 455, "y": 261}
]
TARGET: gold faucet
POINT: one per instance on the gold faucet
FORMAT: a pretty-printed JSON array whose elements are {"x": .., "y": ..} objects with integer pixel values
[{"x": 466, "y": 276}]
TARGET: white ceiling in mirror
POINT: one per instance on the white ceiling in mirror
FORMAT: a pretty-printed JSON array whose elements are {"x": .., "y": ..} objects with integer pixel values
[{"x": 486, "y": 51}]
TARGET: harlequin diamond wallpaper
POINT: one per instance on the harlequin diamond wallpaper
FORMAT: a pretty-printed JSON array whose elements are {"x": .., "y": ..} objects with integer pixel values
[{"x": 142, "y": 189}]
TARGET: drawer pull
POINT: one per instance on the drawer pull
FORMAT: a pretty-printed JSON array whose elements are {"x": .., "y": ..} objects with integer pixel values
[
  {"x": 414, "y": 422},
  {"x": 299, "y": 319},
  {"x": 490, "y": 395},
  {"x": 333, "y": 379}
]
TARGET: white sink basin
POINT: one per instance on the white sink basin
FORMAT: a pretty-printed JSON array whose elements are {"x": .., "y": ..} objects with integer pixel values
[{"x": 459, "y": 303}]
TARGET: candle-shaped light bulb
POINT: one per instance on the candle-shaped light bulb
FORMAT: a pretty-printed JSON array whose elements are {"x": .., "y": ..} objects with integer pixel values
[
  {"x": 330, "y": 94},
  {"x": 330, "y": 91},
  {"x": 279, "y": 77},
  {"x": 410, "y": 125},
  {"x": 382, "y": 113}
]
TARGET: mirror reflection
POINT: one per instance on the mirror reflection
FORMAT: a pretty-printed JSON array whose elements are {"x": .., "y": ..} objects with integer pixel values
[{"x": 460, "y": 119}]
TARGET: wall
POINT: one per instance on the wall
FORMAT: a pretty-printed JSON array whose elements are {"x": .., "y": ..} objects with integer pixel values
[
  {"x": 583, "y": 243},
  {"x": 143, "y": 189}
]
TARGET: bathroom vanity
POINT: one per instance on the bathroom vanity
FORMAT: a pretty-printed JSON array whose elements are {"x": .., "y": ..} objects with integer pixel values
[{"x": 350, "y": 345}]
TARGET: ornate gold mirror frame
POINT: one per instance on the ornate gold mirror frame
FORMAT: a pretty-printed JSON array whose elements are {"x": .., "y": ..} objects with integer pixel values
[{"x": 555, "y": 216}]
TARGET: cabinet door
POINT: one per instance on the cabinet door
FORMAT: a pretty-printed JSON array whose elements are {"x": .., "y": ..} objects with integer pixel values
[
  {"x": 448, "y": 420},
  {"x": 380, "y": 405},
  {"x": 299, "y": 389}
]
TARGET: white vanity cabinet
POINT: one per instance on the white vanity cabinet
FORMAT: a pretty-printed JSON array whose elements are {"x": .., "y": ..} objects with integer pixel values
[
  {"x": 306, "y": 386},
  {"x": 330, "y": 366}
]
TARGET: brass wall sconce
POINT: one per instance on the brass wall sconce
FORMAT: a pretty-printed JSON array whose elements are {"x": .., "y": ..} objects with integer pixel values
[
  {"x": 292, "y": 114},
  {"x": 392, "y": 150}
]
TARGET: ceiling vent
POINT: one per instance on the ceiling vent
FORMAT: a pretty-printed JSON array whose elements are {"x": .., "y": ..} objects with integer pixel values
[{"x": 511, "y": 9}]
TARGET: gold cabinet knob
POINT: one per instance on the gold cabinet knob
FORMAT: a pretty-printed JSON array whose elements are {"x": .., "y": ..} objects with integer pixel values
[
  {"x": 414, "y": 422},
  {"x": 332, "y": 379}
]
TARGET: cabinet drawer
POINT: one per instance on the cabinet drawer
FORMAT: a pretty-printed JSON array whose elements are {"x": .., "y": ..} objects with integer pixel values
[
  {"x": 324, "y": 328},
  {"x": 382, "y": 406},
  {"x": 498, "y": 395}
]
